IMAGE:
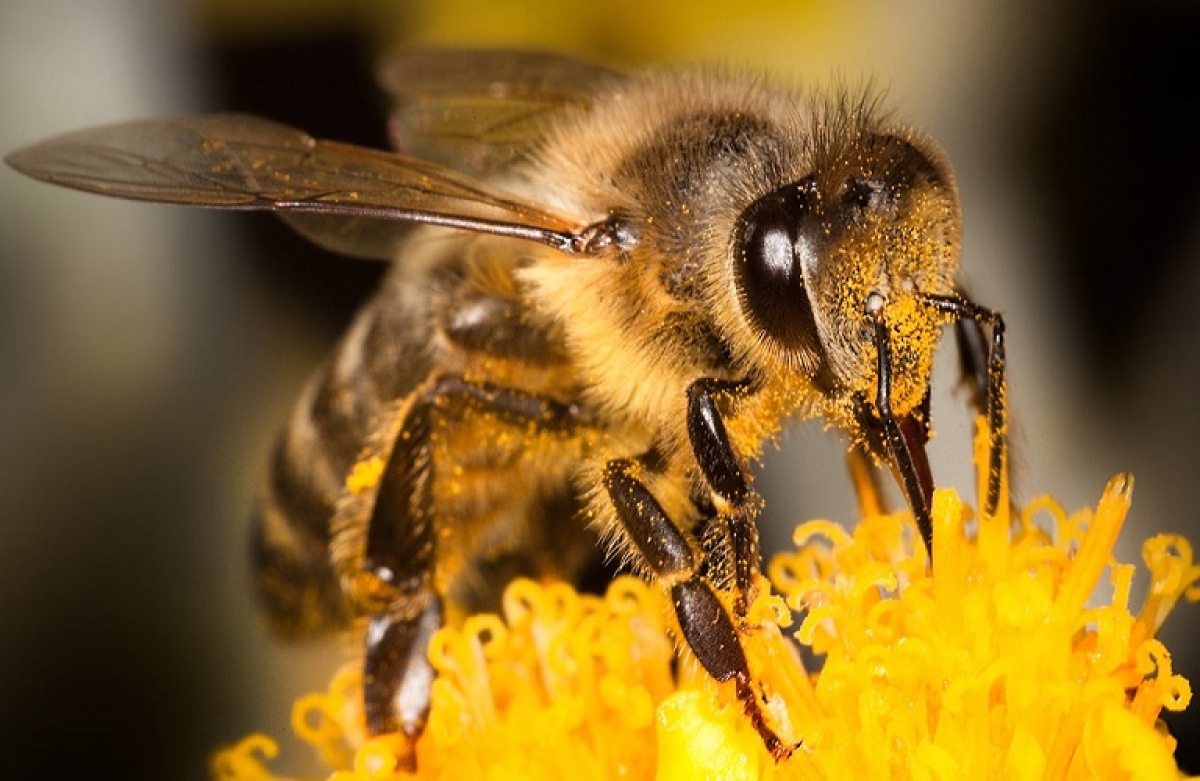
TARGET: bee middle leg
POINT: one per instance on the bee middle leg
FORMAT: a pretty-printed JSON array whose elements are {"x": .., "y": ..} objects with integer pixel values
[
  {"x": 723, "y": 471},
  {"x": 672, "y": 557},
  {"x": 401, "y": 541}
]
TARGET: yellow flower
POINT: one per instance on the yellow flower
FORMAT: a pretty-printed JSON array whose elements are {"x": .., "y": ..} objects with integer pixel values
[{"x": 991, "y": 664}]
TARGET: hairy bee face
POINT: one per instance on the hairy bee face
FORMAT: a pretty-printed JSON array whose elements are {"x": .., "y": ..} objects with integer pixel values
[{"x": 877, "y": 217}]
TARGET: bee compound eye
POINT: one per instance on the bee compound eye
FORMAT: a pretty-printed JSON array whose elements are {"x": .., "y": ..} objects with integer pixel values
[{"x": 773, "y": 246}]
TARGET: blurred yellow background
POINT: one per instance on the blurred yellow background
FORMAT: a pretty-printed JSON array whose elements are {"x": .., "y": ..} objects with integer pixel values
[{"x": 148, "y": 354}]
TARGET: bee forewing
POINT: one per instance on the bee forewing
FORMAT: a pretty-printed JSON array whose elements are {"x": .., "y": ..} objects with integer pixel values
[
  {"x": 206, "y": 161},
  {"x": 234, "y": 161},
  {"x": 481, "y": 111}
]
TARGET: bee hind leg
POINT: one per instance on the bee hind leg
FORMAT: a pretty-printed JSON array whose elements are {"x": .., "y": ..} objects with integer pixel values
[
  {"x": 401, "y": 540},
  {"x": 400, "y": 554}
]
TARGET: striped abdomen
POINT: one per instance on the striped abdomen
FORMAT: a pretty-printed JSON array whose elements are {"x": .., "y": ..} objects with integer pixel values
[{"x": 379, "y": 360}]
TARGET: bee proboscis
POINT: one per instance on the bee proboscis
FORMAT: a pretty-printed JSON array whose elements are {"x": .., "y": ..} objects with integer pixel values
[{"x": 617, "y": 290}]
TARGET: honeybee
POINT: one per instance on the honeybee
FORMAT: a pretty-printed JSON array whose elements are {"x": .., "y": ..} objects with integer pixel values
[{"x": 608, "y": 292}]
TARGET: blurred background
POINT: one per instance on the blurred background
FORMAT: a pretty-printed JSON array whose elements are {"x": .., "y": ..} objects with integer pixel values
[{"x": 148, "y": 354}]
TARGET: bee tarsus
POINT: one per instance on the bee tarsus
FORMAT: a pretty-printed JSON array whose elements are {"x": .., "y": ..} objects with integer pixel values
[
  {"x": 778, "y": 749},
  {"x": 397, "y": 674}
]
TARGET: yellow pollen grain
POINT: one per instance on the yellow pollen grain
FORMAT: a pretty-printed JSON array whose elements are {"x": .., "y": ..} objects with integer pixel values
[{"x": 365, "y": 475}]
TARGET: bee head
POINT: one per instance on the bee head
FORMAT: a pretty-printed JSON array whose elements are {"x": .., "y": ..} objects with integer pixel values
[{"x": 820, "y": 263}]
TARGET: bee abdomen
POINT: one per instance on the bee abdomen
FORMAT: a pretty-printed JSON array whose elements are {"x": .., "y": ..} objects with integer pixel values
[
  {"x": 297, "y": 588},
  {"x": 299, "y": 585}
]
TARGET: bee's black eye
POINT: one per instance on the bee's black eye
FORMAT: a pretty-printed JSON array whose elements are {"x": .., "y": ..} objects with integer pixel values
[{"x": 772, "y": 247}]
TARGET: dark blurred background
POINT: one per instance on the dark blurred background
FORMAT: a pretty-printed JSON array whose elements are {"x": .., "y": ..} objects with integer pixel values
[{"x": 148, "y": 354}]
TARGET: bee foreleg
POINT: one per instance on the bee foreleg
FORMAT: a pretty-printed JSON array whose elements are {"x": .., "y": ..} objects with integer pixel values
[
  {"x": 672, "y": 558},
  {"x": 969, "y": 320}
]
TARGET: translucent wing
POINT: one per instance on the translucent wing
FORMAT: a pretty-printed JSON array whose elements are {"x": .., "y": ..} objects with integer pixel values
[
  {"x": 481, "y": 111},
  {"x": 344, "y": 197}
]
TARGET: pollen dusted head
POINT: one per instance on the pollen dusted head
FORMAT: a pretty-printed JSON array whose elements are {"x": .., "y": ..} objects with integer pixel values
[{"x": 877, "y": 221}]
